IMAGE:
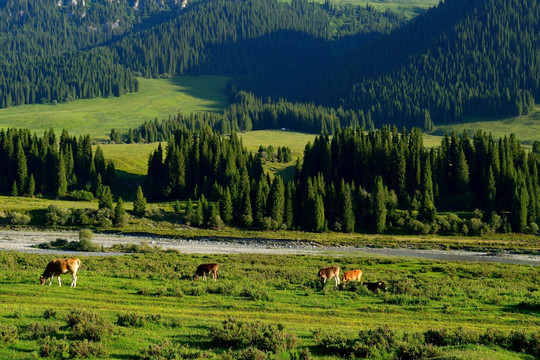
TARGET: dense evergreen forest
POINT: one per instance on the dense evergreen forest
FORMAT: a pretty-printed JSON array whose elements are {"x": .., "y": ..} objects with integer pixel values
[
  {"x": 356, "y": 181},
  {"x": 49, "y": 165},
  {"x": 462, "y": 57}
]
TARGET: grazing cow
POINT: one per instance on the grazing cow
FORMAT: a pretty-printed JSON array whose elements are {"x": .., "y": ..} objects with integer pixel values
[
  {"x": 375, "y": 286},
  {"x": 204, "y": 269},
  {"x": 329, "y": 273},
  {"x": 59, "y": 267},
  {"x": 353, "y": 275}
]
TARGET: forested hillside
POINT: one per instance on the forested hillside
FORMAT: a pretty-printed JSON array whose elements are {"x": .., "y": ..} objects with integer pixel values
[
  {"x": 355, "y": 182},
  {"x": 461, "y": 57}
]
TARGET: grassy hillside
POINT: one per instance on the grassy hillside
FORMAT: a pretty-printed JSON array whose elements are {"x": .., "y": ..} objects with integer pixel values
[
  {"x": 526, "y": 127},
  {"x": 409, "y": 8},
  {"x": 127, "y": 304},
  {"x": 156, "y": 98}
]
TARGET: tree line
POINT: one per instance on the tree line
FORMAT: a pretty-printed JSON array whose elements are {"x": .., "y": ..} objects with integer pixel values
[
  {"x": 356, "y": 181},
  {"x": 459, "y": 58},
  {"x": 48, "y": 165}
]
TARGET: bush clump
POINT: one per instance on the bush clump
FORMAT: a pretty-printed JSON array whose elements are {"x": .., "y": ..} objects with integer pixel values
[
  {"x": 52, "y": 347},
  {"x": 130, "y": 320},
  {"x": 241, "y": 335},
  {"x": 86, "y": 349},
  {"x": 17, "y": 218},
  {"x": 167, "y": 350},
  {"x": 39, "y": 331},
  {"x": 9, "y": 334},
  {"x": 87, "y": 325}
]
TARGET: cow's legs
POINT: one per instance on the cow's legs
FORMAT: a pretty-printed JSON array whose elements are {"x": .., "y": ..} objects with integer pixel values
[
  {"x": 337, "y": 281},
  {"x": 59, "y": 282},
  {"x": 50, "y": 282},
  {"x": 74, "y": 281}
]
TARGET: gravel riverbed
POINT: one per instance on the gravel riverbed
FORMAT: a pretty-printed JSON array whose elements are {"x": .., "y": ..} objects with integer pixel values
[{"x": 12, "y": 240}]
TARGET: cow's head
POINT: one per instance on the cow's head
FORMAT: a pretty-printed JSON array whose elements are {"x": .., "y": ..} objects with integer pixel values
[
  {"x": 195, "y": 277},
  {"x": 42, "y": 279},
  {"x": 382, "y": 285}
]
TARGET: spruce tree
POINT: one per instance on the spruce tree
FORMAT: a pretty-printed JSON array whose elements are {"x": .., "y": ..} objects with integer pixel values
[
  {"x": 226, "y": 206},
  {"x": 247, "y": 215},
  {"x": 276, "y": 200},
  {"x": 22, "y": 170},
  {"x": 189, "y": 213},
  {"x": 105, "y": 198},
  {"x": 31, "y": 186},
  {"x": 61, "y": 181},
  {"x": 320, "y": 220},
  {"x": 378, "y": 207},
  {"x": 347, "y": 217},
  {"x": 119, "y": 213},
  {"x": 139, "y": 204}
]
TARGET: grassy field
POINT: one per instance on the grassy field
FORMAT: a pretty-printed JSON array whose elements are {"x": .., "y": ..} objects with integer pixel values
[
  {"x": 156, "y": 98},
  {"x": 126, "y": 305},
  {"x": 409, "y": 8},
  {"x": 526, "y": 127}
]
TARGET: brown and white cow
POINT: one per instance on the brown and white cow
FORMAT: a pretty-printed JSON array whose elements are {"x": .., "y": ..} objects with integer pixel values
[
  {"x": 353, "y": 275},
  {"x": 204, "y": 269},
  {"x": 328, "y": 273},
  {"x": 59, "y": 267},
  {"x": 375, "y": 286}
]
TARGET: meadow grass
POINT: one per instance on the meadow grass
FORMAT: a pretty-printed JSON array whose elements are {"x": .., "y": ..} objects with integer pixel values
[
  {"x": 156, "y": 98},
  {"x": 526, "y": 127},
  {"x": 409, "y": 8},
  {"x": 156, "y": 292}
]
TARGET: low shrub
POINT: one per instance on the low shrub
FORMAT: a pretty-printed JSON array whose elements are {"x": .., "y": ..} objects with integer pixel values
[
  {"x": 52, "y": 347},
  {"x": 39, "y": 331},
  {"x": 130, "y": 320},
  {"x": 17, "y": 218},
  {"x": 87, "y": 325},
  {"x": 241, "y": 335},
  {"x": 167, "y": 350},
  {"x": 85, "y": 349},
  {"x": 9, "y": 334},
  {"x": 81, "y": 195},
  {"x": 49, "y": 313}
]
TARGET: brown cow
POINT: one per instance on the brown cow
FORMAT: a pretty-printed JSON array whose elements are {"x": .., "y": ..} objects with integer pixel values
[
  {"x": 353, "y": 275},
  {"x": 204, "y": 269},
  {"x": 328, "y": 273},
  {"x": 59, "y": 267},
  {"x": 375, "y": 286}
]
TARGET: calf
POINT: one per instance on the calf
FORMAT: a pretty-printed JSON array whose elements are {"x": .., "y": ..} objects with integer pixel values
[
  {"x": 328, "y": 273},
  {"x": 353, "y": 275},
  {"x": 375, "y": 286},
  {"x": 59, "y": 267},
  {"x": 204, "y": 269}
]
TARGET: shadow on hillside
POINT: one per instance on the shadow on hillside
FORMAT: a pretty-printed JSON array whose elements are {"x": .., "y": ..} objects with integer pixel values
[
  {"x": 203, "y": 87},
  {"x": 125, "y": 184}
]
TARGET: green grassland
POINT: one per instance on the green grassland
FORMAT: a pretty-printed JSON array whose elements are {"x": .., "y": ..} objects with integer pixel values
[
  {"x": 156, "y": 98},
  {"x": 409, "y": 8},
  {"x": 129, "y": 303},
  {"x": 526, "y": 127}
]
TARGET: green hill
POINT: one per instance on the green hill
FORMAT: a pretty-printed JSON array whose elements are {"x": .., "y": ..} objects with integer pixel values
[{"x": 156, "y": 98}]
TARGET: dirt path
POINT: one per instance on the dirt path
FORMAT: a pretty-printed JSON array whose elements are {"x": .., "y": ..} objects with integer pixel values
[{"x": 24, "y": 240}]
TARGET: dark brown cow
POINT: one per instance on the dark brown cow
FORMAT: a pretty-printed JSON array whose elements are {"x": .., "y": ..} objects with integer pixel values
[
  {"x": 375, "y": 286},
  {"x": 353, "y": 275},
  {"x": 59, "y": 267},
  {"x": 204, "y": 269},
  {"x": 328, "y": 273}
]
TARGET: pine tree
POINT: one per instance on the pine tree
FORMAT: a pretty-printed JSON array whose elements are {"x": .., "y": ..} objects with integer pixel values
[
  {"x": 31, "y": 186},
  {"x": 378, "y": 207},
  {"x": 105, "y": 198},
  {"x": 427, "y": 211},
  {"x": 189, "y": 213},
  {"x": 276, "y": 200},
  {"x": 347, "y": 217},
  {"x": 139, "y": 204},
  {"x": 120, "y": 213},
  {"x": 247, "y": 216},
  {"x": 320, "y": 221},
  {"x": 61, "y": 181},
  {"x": 226, "y": 206},
  {"x": 22, "y": 170}
]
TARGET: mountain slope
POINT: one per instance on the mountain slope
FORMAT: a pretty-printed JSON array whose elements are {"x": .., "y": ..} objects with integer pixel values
[{"x": 461, "y": 57}]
